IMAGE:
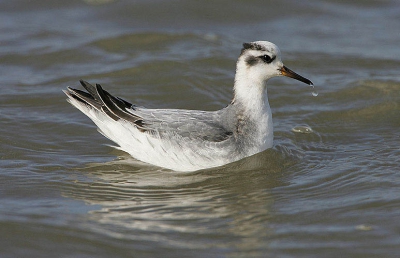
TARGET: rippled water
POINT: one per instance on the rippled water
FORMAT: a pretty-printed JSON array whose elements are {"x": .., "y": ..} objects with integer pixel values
[{"x": 330, "y": 187}]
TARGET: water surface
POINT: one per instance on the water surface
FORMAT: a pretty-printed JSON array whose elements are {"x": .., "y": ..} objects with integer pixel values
[{"x": 333, "y": 191}]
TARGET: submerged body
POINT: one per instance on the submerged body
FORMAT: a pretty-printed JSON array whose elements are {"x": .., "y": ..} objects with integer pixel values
[{"x": 188, "y": 140}]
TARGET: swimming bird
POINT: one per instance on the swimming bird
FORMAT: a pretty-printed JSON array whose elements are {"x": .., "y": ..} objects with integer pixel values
[{"x": 189, "y": 140}]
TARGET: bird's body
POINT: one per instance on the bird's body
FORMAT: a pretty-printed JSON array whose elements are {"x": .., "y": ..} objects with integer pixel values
[{"x": 188, "y": 140}]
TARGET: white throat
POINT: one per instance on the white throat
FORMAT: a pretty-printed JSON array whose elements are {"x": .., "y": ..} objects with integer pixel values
[
  {"x": 250, "y": 91},
  {"x": 251, "y": 94}
]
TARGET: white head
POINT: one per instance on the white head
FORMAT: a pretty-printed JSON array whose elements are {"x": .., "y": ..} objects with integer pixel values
[{"x": 260, "y": 61}]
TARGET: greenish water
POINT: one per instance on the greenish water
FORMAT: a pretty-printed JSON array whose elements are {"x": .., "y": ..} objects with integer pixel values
[{"x": 64, "y": 192}]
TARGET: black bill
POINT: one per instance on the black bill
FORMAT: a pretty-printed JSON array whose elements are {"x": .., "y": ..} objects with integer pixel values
[{"x": 289, "y": 73}]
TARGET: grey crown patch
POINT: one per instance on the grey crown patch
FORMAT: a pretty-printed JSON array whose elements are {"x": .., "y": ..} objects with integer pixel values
[{"x": 252, "y": 46}]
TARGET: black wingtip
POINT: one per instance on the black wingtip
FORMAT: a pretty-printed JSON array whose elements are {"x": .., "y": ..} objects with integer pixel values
[
  {"x": 98, "y": 86},
  {"x": 114, "y": 107}
]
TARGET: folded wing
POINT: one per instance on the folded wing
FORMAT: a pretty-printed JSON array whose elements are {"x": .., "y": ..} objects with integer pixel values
[{"x": 199, "y": 125}]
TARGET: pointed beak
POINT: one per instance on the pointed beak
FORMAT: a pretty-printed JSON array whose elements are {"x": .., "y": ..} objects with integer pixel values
[{"x": 289, "y": 73}]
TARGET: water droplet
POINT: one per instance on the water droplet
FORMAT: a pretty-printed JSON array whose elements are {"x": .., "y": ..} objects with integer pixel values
[
  {"x": 314, "y": 92},
  {"x": 302, "y": 129}
]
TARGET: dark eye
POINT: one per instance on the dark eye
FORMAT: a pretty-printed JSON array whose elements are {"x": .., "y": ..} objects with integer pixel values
[{"x": 267, "y": 59}]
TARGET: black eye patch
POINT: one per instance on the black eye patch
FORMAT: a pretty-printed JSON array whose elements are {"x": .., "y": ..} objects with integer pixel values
[
  {"x": 267, "y": 59},
  {"x": 252, "y": 60}
]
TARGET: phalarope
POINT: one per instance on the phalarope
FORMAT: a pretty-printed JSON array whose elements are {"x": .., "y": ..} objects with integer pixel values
[{"x": 189, "y": 140}]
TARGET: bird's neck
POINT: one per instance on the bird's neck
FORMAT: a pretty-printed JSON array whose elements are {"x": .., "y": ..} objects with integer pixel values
[
  {"x": 251, "y": 94},
  {"x": 253, "y": 114}
]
